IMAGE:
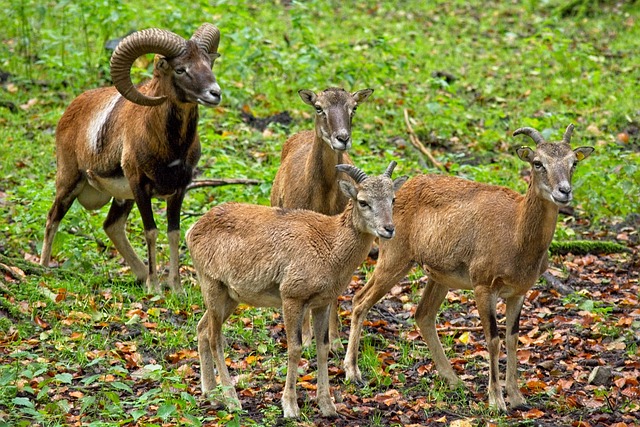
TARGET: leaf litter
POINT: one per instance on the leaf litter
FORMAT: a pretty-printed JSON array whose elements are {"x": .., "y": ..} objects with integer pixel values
[{"x": 564, "y": 339}]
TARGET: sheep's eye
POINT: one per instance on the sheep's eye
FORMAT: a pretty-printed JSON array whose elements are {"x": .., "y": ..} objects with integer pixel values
[
  {"x": 353, "y": 111},
  {"x": 319, "y": 110},
  {"x": 180, "y": 70},
  {"x": 363, "y": 204},
  {"x": 538, "y": 165}
]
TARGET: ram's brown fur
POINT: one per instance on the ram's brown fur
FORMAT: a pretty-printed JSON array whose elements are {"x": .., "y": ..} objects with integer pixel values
[{"x": 108, "y": 147}]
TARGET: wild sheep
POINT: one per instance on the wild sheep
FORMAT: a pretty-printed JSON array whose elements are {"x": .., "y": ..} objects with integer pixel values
[
  {"x": 298, "y": 259},
  {"x": 469, "y": 235},
  {"x": 131, "y": 144},
  {"x": 307, "y": 177}
]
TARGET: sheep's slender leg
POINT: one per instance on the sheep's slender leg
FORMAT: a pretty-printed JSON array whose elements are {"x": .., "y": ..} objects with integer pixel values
[
  {"x": 388, "y": 272},
  {"x": 514, "y": 306},
  {"x": 174, "y": 205},
  {"x": 207, "y": 365},
  {"x": 307, "y": 334},
  {"x": 65, "y": 196},
  {"x": 486, "y": 303},
  {"x": 426, "y": 313},
  {"x": 321, "y": 330},
  {"x": 334, "y": 328},
  {"x": 293, "y": 312},
  {"x": 211, "y": 342},
  {"x": 114, "y": 226},
  {"x": 143, "y": 201}
]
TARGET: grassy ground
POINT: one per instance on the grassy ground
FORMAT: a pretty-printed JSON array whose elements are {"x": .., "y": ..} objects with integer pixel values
[{"x": 82, "y": 344}]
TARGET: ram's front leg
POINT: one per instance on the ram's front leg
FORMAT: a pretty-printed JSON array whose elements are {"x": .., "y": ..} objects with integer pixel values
[
  {"x": 514, "y": 306},
  {"x": 486, "y": 303},
  {"x": 321, "y": 331},
  {"x": 143, "y": 201},
  {"x": 174, "y": 206},
  {"x": 293, "y": 312}
]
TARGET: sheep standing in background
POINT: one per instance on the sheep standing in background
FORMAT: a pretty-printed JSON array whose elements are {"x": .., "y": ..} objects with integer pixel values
[
  {"x": 469, "y": 235},
  {"x": 307, "y": 177},
  {"x": 129, "y": 144},
  {"x": 298, "y": 259}
]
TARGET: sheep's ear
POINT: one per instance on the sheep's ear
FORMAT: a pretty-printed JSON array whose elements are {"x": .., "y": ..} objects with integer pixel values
[
  {"x": 308, "y": 96},
  {"x": 348, "y": 189},
  {"x": 525, "y": 154},
  {"x": 361, "y": 95},
  {"x": 583, "y": 152},
  {"x": 160, "y": 62},
  {"x": 397, "y": 183}
]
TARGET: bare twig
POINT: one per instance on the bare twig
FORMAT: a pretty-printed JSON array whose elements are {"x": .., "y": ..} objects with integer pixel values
[
  {"x": 198, "y": 183},
  {"x": 419, "y": 145},
  {"x": 445, "y": 329}
]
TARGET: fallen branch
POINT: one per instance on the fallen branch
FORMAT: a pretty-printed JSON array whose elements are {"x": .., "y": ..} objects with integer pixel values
[
  {"x": 419, "y": 145},
  {"x": 557, "y": 284},
  {"x": 198, "y": 183}
]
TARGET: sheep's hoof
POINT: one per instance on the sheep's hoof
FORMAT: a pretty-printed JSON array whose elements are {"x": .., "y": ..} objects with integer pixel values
[
  {"x": 290, "y": 412},
  {"x": 498, "y": 405},
  {"x": 355, "y": 379},
  {"x": 327, "y": 408}
]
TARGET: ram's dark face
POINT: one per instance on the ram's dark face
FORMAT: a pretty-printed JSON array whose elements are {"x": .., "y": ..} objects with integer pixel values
[{"x": 192, "y": 79}]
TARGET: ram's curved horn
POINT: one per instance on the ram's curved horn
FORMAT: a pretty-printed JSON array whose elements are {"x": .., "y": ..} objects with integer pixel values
[
  {"x": 567, "y": 134},
  {"x": 152, "y": 40},
  {"x": 531, "y": 133},
  {"x": 354, "y": 172},
  {"x": 207, "y": 37},
  {"x": 390, "y": 169}
]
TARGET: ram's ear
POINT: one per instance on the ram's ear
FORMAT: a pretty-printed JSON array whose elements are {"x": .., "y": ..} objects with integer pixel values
[
  {"x": 525, "y": 154},
  {"x": 361, "y": 95},
  {"x": 160, "y": 63},
  {"x": 308, "y": 96},
  {"x": 583, "y": 152},
  {"x": 349, "y": 189},
  {"x": 397, "y": 183}
]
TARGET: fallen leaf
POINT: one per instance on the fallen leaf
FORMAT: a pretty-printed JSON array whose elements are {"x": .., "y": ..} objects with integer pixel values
[
  {"x": 533, "y": 414},
  {"x": 460, "y": 423},
  {"x": 41, "y": 323},
  {"x": 464, "y": 338}
]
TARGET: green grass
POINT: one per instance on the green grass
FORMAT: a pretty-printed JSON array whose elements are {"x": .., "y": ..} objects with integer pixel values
[{"x": 540, "y": 64}]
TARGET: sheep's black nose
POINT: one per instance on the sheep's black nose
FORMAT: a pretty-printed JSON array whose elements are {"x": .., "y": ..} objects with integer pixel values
[
  {"x": 343, "y": 137},
  {"x": 564, "y": 189},
  {"x": 387, "y": 231}
]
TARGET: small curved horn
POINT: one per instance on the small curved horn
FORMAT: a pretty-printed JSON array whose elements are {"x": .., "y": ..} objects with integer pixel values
[
  {"x": 390, "y": 169},
  {"x": 207, "y": 37},
  {"x": 567, "y": 134},
  {"x": 152, "y": 40},
  {"x": 531, "y": 133},
  {"x": 355, "y": 173}
]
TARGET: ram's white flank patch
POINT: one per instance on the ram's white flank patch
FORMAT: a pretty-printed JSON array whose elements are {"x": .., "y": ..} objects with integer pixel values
[{"x": 93, "y": 130}]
